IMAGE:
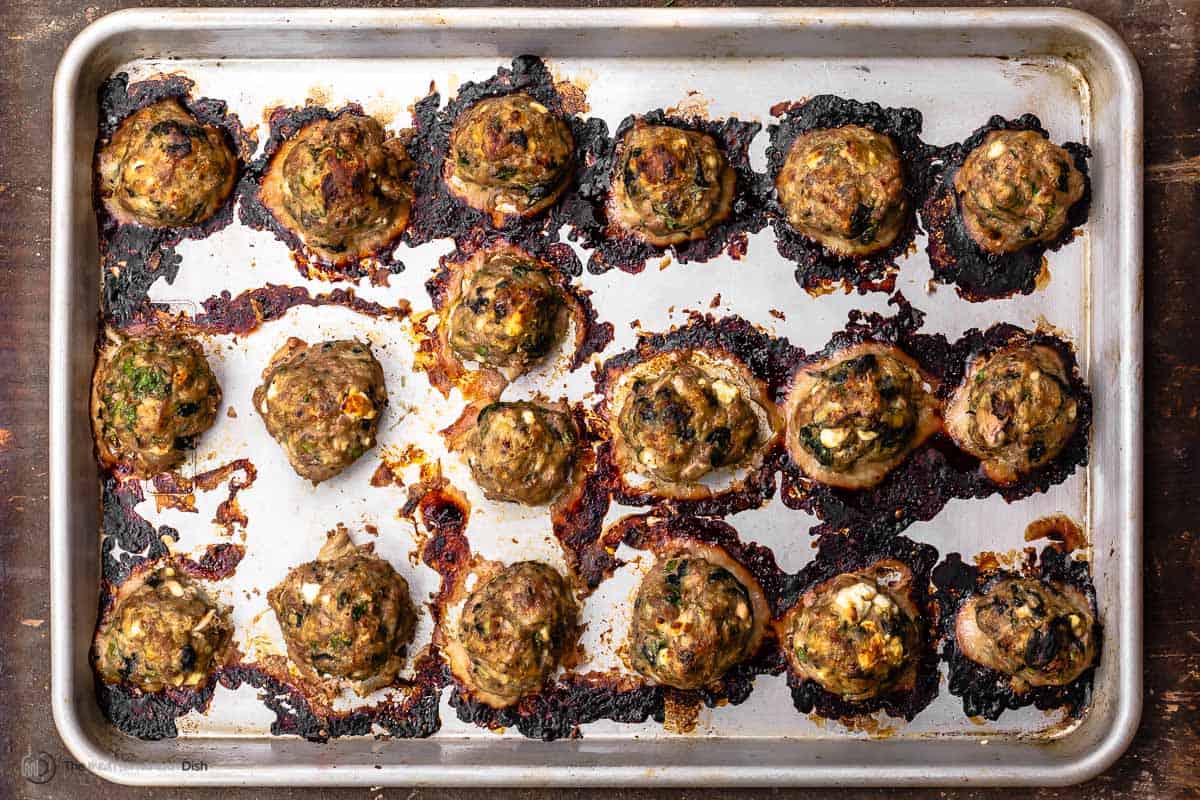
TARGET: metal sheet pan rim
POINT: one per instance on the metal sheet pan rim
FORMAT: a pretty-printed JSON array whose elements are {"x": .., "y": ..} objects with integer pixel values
[{"x": 69, "y": 695}]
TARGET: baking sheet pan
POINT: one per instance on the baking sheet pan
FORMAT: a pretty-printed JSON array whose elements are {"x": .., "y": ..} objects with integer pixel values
[{"x": 956, "y": 67}]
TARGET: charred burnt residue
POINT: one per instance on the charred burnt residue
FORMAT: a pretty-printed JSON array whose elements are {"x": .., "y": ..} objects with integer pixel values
[
  {"x": 558, "y": 711},
  {"x": 218, "y": 562},
  {"x": 614, "y": 248},
  {"x": 150, "y": 715},
  {"x": 954, "y": 255},
  {"x": 838, "y": 554},
  {"x": 284, "y": 124},
  {"x": 412, "y": 715},
  {"x": 985, "y": 692},
  {"x": 577, "y": 515},
  {"x": 437, "y": 214},
  {"x": 245, "y": 313},
  {"x": 768, "y": 359},
  {"x": 139, "y": 542},
  {"x": 938, "y": 471},
  {"x": 818, "y": 269},
  {"x": 133, "y": 256}
]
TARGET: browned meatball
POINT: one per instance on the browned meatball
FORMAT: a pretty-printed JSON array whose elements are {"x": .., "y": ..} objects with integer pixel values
[
  {"x": 522, "y": 452},
  {"x": 686, "y": 420},
  {"x": 342, "y": 186},
  {"x": 509, "y": 156},
  {"x": 1015, "y": 189},
  {"x": 164, "y": 631},
  {"x": 322, "y": 403},
  {"x": 513, "y": 632},
  {"x": 1040, "y": 634},
  {"x": 166, "y": 169},
  {"x": 508, "y": 312},
  {"x": 346, "y": 615},
  {"x": 670, "y": 184},
  {"x": 696, "y": 615},
  {"x": 854, "y": 636},
  {"x": 1015, "y": 411},
  {"x": 150, "y": 398},
  {"x": 844, "y": 188},
  {"x": 856, "y": 415}
]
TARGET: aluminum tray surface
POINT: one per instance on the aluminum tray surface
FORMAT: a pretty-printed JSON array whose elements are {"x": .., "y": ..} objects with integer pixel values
[{"x": 956, "y": 67}]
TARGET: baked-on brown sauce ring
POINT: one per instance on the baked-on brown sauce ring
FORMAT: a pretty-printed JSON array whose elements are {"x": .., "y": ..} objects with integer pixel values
[
  {"x": 820, "y": 269},
  {"x": 956, "y": 258},
  {"x": 986, "y": 692}
]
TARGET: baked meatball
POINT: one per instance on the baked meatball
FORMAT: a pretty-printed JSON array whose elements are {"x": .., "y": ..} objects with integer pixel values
[
  {"x": 522, "y": 452},
  {"x": 322, "y": 403},
  {"x": 164, "y": 631},
  {"x": 854, "y": 636},
  {"x": 855, "y": 416},
  {"x": 696, "y": 615},
  {"x": 164, "y": 168},
  {"x": 508, "y": 312},
  {"x": 1015, "y": 411},
  {"x": 1015, "y": 190},
  {"x": 346, "y": 615},
  {"x": 670, "y": 185},
  {"x": 1040, "y": 634},
  {"x": 509, "y": 156},
  {"x": 512, "y": 633},
  {"x": 844, "y": 188},
  {"x": 685, "y": 420},
  {"x": 341, "y": 186},
  {"x": 150, "y": 398}
]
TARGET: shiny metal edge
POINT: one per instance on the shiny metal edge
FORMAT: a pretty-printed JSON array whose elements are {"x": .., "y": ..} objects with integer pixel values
[{"x": 126, "y": 761}]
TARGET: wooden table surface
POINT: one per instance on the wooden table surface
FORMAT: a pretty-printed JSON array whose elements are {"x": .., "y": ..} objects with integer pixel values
[{"x": 1164, "y": 760}]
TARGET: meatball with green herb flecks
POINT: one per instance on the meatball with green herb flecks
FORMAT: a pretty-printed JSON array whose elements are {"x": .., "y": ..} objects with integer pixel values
[
  {"x": 512, "y": 633},
  {"x": 347, "y": 615},
  {"x": 670, "y": 185},
  {"x": 509, "y": 156},
  {"x": 342, "y": 186},
  {"x": 694, "y": 618},
  {"x": 1015, "y": 411},
  {"x": 508, "y": 312},
  {"x": 1041, "y": 634},
  {"x": 1015, "y": 190},
  {"x": 853, "y": 417},
  {"x": 522, "y": 452},
  {"x": 844, "y": 188},
  {"x": 322, "y": 403},
  {"x": 163, "y": 632},
  {"x": 854, "y": 636},
  {"x": 151, "y": 396},
  {"x": 164, "y": 168}
]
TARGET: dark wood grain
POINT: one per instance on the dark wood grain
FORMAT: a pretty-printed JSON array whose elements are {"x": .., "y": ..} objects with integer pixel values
[{"x": 1163, "y": 762}]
